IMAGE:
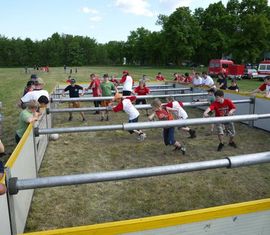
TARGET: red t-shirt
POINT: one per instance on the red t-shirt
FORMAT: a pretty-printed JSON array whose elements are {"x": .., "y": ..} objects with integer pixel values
[
  {"x": 222, "y": 109},
  {"x": 163, "y": 114},
  {"x": 95, "y": 86},
  {"x": 160, "y": 78},
  {"x": 262, "y": 87},
  {"x": 142, "y": 91},
  {"x": 188, "y": 79}
]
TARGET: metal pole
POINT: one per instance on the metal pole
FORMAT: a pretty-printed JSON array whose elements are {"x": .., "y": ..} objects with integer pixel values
[
  {"x": 141, "y": 106},
  {"x": 83, "y": 99},
  {"x": 149, "y": 86},
  {"x": 16, "y": 184},
  {"x": 252, "y": 109},
  {"x": 151, "y": 90},
  {"x": 155, "y": 124}
]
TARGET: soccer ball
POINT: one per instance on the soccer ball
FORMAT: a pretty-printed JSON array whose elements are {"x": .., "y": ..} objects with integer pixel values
[{"x": 54, "y": 136}]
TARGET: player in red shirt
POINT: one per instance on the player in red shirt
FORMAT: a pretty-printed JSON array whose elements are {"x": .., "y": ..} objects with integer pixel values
[
  {"x": 168, "y": 133},
  {"x": 223, "y": 107},
  {"x": 95, "y": 86},
  {"x": 264, "y": 87},
  {"x": 142, "y": 89},
  {"x": 160, "y": 77}
]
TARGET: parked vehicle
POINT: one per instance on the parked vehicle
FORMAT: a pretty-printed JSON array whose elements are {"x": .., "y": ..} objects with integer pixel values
[
  {"x": 217, "y": 66},
  {"x": 264, "y": 69},
  {"x": 227, "y": 67},
  {"x": 250, "y": 74}
]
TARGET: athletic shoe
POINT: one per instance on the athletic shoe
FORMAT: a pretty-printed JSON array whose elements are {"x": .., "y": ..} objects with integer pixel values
[
  {"x": 183, "y": 150},
  {"x": 192, "y": 134},
  {"x": 141, "y": 136},
  {"x": 232, "y": 144},
  {"x": 84, "y": 120},
  {"x": 220, "y": 146},
  {"x": 70, "y": 119}
]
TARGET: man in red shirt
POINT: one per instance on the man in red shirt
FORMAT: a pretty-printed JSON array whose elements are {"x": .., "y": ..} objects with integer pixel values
[
  {"x": 95, "y": 86},
  {"x": 223, "y": 107},
  {"x": 264, "y": 87}
]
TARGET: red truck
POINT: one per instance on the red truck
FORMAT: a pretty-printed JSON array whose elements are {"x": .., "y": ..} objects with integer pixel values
[{"x": 227, "y": 67}]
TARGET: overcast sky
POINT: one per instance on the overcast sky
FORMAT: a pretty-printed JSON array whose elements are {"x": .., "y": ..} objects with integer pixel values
[{"x": 103, "y": 20}]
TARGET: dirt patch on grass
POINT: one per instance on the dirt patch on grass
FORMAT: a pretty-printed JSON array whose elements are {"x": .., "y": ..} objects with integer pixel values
[{"x": 112, "y": 201}]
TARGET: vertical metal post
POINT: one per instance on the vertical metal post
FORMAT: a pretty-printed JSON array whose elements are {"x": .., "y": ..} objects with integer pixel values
[
  {"x": 11, "y": 208},
  {"x": 252, "y": 109},
  {"x": 35, "y": 148}
]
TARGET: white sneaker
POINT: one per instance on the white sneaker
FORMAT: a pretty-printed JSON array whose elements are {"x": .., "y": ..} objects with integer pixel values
[{"x": 142, "y": 136}]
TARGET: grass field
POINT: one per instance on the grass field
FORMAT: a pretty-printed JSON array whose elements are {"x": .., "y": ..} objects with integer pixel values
[{"x": 105, "y": 151}]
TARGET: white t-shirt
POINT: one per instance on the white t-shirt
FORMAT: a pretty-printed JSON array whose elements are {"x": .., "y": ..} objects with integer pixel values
[
  {"x": 34, "y": 95},
  {"x": 197, "y": 81},
  {"x": 129, "y": 108},
  {"x": 208, "y": 81},
  {"x": 127, "y": 86},
  {"x": 181, "y": 113}
]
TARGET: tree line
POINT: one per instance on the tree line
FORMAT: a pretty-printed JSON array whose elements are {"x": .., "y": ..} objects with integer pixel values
[{"x": 239, "y": 30}]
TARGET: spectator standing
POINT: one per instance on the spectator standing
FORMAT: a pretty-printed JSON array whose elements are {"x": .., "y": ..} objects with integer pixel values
[
  {"x": 127, "y": 82},
  {"x": 74, "y": 92},
  {"x": 223, "y": 107}
]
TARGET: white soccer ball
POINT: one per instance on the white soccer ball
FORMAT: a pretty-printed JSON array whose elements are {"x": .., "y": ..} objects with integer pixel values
[{"x": 54, "y": 136}]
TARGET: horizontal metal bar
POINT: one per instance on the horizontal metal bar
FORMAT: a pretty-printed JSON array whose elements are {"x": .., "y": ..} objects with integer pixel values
[
  {"x": 83, "y": 99},
  {"x": 16, "y": 185},
  {"x": 151, "y": 90},
  {"x": 155, "y": 124},
  {"x": 193, "y": 122},
  {"x": 121, "y": 87},
  {"x": 141, "y": 106}
]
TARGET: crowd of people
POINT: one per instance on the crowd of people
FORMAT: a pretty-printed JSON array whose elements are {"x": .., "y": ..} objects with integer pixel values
[{"x": 35, "y": 98}]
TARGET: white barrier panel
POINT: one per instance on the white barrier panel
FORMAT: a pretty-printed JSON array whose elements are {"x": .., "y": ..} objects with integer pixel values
[
  {"x": 262, "y": 106},
  {"x": 247, "y": 218},
  {"x": 4, "y": 216},
  {"x": 22, "y": 164}
]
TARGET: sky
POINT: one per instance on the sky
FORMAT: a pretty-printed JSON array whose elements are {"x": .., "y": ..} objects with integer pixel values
[{"x": 102, "y": 20}]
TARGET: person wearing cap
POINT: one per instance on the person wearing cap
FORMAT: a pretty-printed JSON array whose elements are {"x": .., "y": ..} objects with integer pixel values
[
  {"x": 74, "y": 90},
  {"x": 38, "y": 94},
  {"x": 125, "y": 104},
  {"x": 127, "y": 82},
  {"x": 106, "y": 87},
  {"x": 264, "y": 87},
  {"x": 95, "y": 86}
]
